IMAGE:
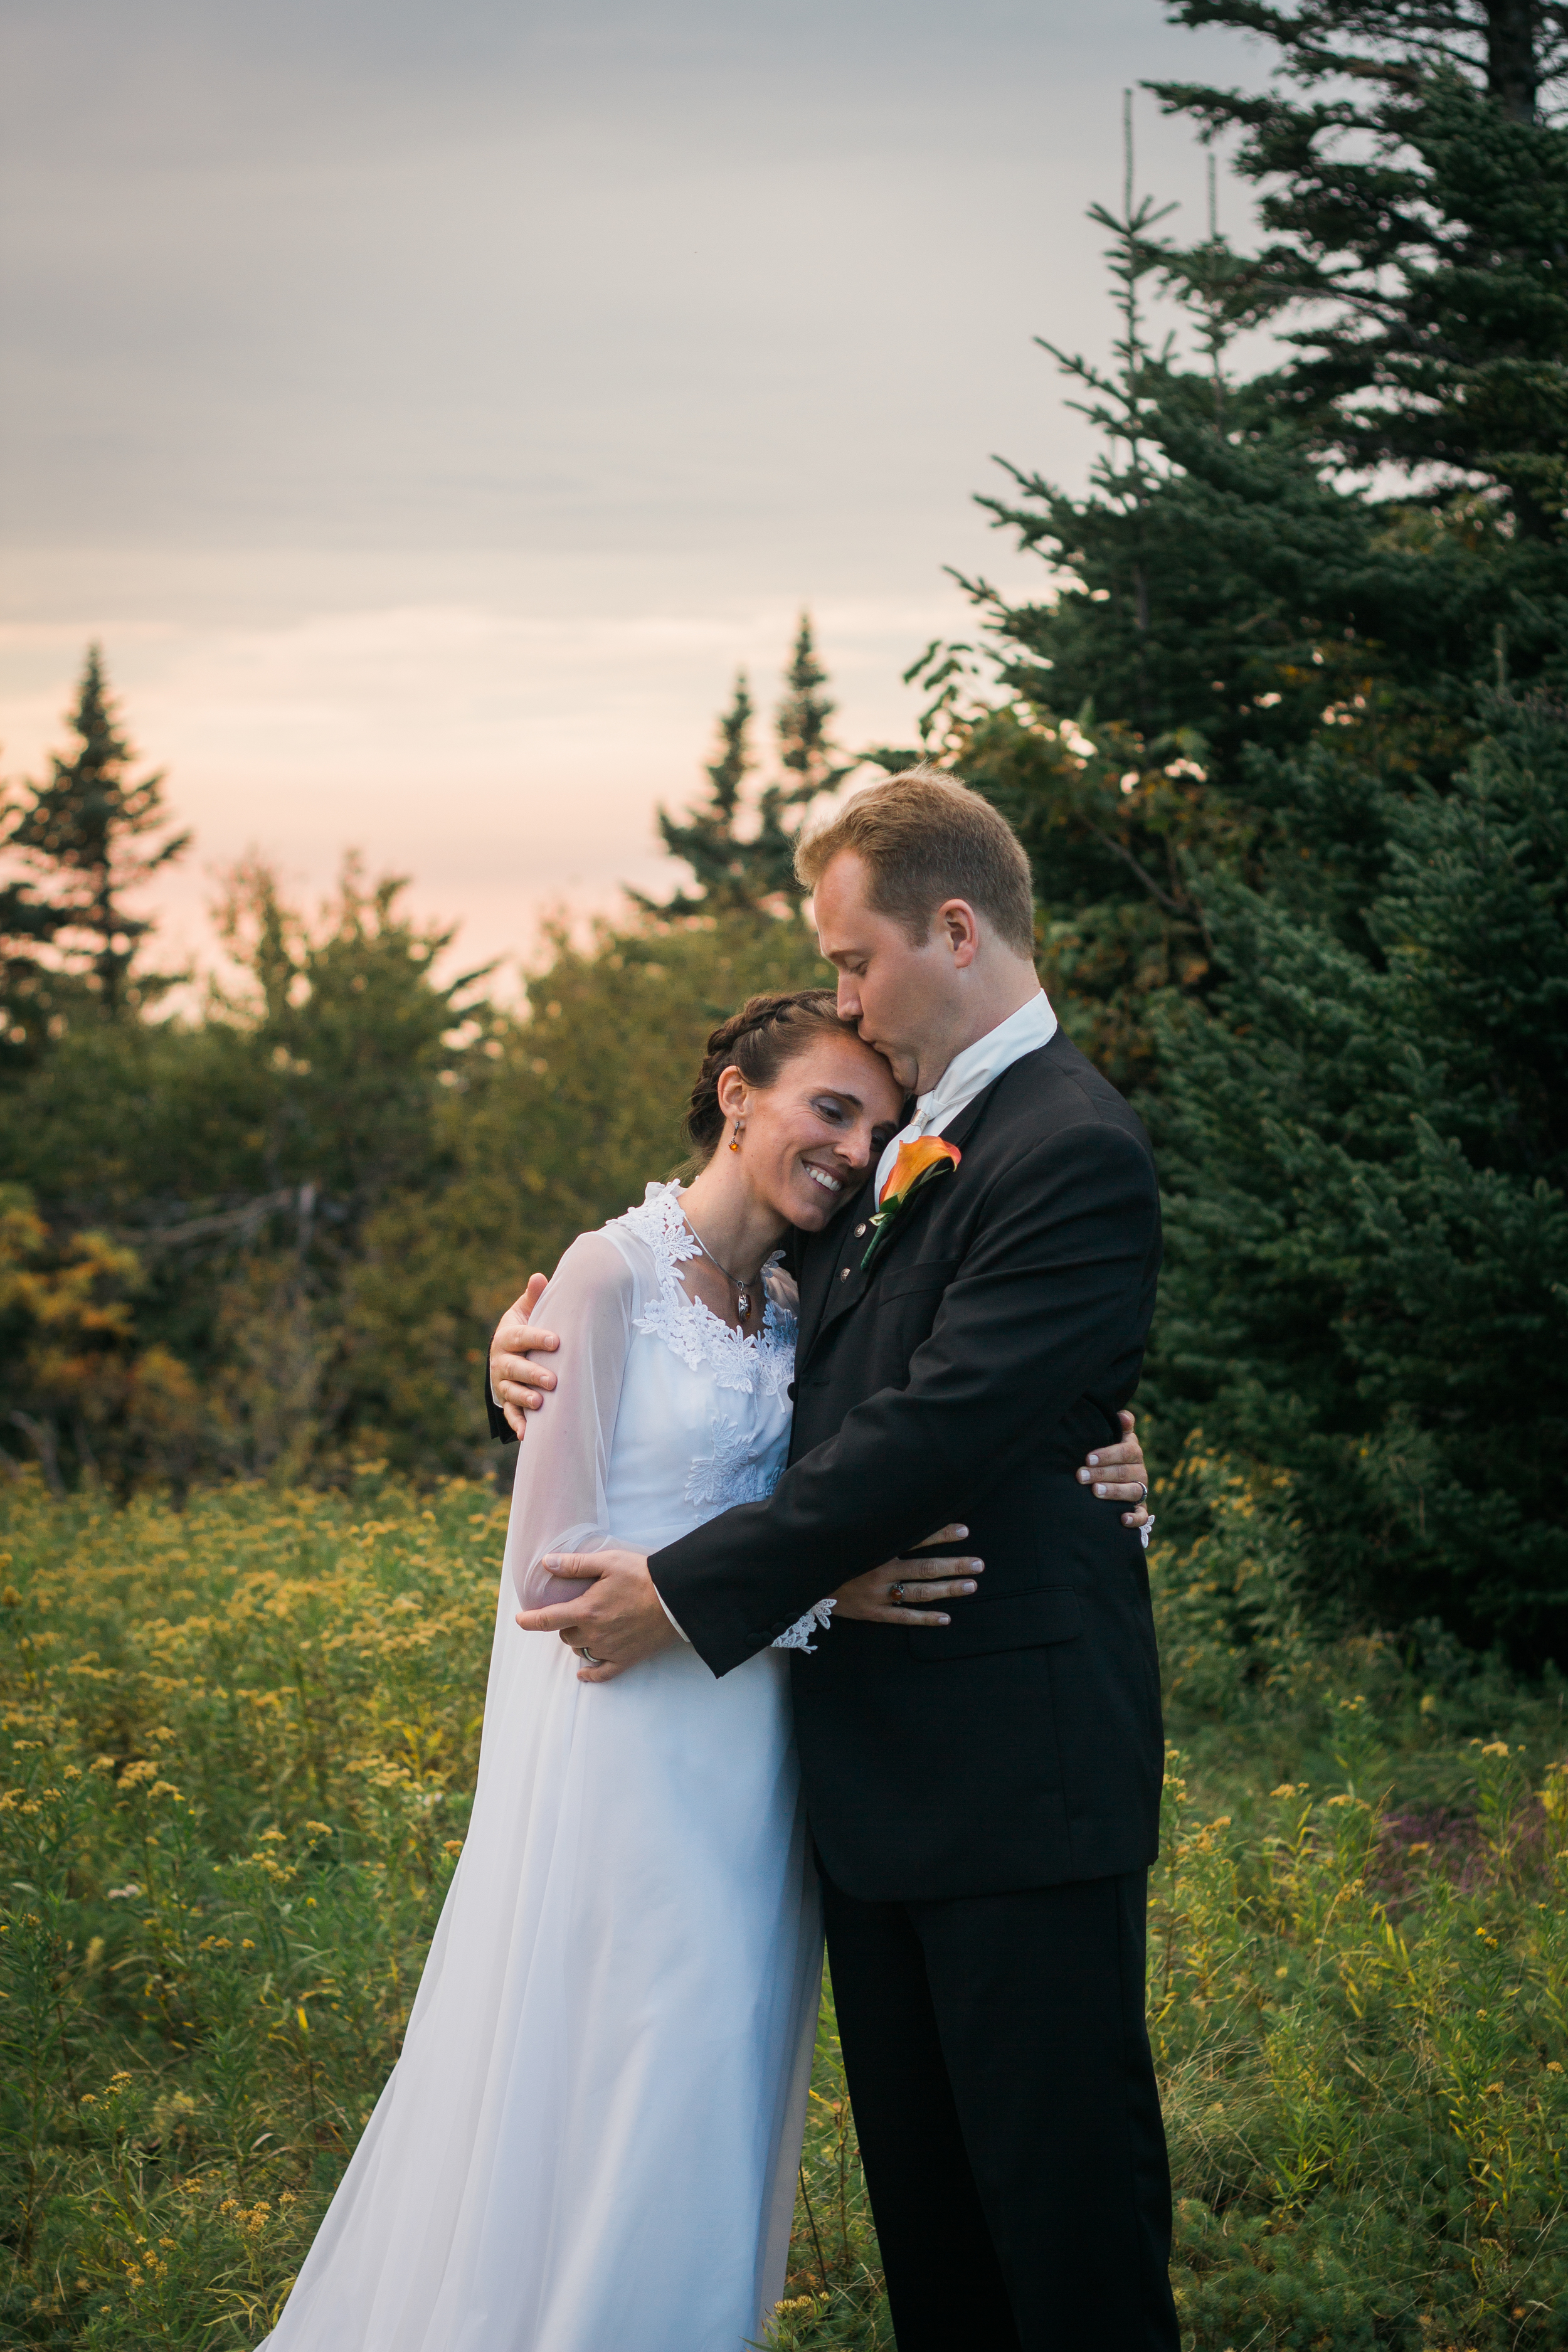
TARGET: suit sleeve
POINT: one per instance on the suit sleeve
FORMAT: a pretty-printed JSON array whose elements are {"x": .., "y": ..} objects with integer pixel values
[
  {"x": 1053, "y": 1296},
  {"x": 499, "y": 1426}
]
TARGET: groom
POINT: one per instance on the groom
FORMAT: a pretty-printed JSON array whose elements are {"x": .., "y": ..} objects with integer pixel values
[{"x": 984, "y": 1794}]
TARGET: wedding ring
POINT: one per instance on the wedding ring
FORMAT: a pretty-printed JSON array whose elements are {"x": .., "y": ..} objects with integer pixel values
[
  {"x": 1143, "y": 1495},
  {"x": 590, "y": 1659}
]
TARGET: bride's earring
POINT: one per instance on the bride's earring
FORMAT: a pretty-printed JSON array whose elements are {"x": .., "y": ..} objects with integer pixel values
[{"x": 735, "y": 1139}]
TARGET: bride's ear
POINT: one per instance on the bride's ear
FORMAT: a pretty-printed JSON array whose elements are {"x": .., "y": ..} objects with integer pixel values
[{"x": 734, "y": 1094}]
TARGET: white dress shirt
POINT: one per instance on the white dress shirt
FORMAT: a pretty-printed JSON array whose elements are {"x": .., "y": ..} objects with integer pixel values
[{"x": 1025, "y": 1032}]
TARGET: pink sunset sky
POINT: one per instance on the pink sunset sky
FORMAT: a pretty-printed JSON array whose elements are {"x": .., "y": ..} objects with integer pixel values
[{"x": 429, "y": 407}]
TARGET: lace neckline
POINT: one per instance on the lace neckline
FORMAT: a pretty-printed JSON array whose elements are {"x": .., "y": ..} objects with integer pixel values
[{"x": 737, "y": 1360}]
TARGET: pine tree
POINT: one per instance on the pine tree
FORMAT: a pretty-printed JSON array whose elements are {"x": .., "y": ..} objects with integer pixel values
[
  {"x": 29, "y": 925},
  {"x": 1419, "y": 204},
  {"x": 1243, "y": 646},
  {"x": 1197, "y": 619},
  {"x": 1366, "y": 1163},
  {"x": 741, "y": 860},
  {"x": 706, "y": 839},
  {"x": 85, "y": 835},
  {"x": 805, "y": 752}
]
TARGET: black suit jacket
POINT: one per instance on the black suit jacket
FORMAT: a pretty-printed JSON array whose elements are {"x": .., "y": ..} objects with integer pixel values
[{"x": 963, "y": 1379}]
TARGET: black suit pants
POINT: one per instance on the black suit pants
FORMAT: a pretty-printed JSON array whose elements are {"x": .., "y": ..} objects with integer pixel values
[{"x": 1004, "y": 2094}]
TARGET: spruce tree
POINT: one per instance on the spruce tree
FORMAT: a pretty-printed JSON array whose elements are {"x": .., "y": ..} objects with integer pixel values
[
  {"x": 744, "y": 859},
  {"x": 87, "y": 834},
  {"x": 1244, "y": 643},
  {"x": 28, "y": 982},
  {"x": 1203, "y": 612},
  {"x": 805, "y": 752},
  {"x": 1366, "y": 1163},
  {"x": 730, "y": 869},
  {"x": 1418, "y": 203}
]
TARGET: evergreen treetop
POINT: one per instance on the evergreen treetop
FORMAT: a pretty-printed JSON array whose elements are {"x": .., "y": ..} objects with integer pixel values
[
  {"x": 805, "y": 752},
  {"x": 88, "y": 836},
  {"x": 1241, "y": 643},
  {"x": 744, "y": 859},
  {"x": 1414, "y": 189},
  {"x": 731, "y": 869}
]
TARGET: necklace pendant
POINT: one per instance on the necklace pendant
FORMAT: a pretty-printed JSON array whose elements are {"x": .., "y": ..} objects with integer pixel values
[{"x": 743, "y": 1305}]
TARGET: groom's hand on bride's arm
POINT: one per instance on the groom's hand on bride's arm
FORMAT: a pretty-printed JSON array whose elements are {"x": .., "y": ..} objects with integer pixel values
[
  {"x": 518, "y": 1385},
  {"x": 618, "y": 1623},
  {"x": 1118, "y": 1474}
]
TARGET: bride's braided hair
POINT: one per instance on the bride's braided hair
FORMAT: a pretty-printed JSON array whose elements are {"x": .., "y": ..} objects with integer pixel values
[{"x": 766, "y": 1032}]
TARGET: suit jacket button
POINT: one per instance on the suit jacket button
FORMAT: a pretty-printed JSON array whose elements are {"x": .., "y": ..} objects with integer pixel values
[
  {"x": 858, "y": 1231},
  {"x": 790, "y": 1391},
  {"x": 844, "y": 1274}
]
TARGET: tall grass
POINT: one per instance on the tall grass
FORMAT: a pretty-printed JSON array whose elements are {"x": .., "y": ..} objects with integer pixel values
[{"x": 241, "y": 1739}]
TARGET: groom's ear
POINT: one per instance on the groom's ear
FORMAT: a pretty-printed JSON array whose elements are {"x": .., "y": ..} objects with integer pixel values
[{"x": 957, "y": 924}]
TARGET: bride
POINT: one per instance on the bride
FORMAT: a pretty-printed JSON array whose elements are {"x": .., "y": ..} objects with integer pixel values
[{"x": 590, "y": 2141}]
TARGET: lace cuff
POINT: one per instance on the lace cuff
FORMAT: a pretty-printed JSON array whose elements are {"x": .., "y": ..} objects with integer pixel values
[{"x": 798, "y": 1637}]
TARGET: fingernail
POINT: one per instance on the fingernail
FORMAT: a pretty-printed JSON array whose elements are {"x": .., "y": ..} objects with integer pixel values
[
  {"x": 967, "y": 1588},
  {"x": 961, "y": 1533},
  {"x": 1100, "y": 1490},
  {"x": 1082, "y": 1477},
  {"x": 1095, "y": 1459},
  {"x": 944, "y": 1621}
]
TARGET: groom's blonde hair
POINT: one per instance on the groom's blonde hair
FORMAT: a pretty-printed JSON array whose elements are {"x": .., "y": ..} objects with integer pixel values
[{"x": 924, "y": 837}]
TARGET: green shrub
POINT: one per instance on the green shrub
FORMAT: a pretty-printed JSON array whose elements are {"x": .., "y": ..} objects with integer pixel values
[{"x": 242, "y": 1739}]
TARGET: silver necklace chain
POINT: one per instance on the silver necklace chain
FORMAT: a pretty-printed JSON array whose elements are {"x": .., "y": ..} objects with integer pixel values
[{"x": 742, "y": 1290}]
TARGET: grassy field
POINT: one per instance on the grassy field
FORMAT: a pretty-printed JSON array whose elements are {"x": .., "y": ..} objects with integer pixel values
[{"x": 241, "y": 1739}]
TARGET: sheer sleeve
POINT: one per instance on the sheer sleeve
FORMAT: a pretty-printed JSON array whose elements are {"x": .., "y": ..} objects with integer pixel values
[{"x": 558, "y": 1498}]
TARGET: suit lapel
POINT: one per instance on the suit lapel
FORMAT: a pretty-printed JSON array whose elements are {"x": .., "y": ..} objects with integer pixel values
[
  {"x": 836, "y": 1282},
  {"x": 820, "y": 1272}
]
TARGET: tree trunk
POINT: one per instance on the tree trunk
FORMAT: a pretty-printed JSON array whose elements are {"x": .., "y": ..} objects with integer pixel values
[
  {"x": 1512, "y": 75},
  {"x": 103, "y": 921}
]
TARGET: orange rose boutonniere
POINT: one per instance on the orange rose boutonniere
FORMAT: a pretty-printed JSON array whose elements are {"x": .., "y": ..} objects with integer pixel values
[{"x": 919, "y": 1164}]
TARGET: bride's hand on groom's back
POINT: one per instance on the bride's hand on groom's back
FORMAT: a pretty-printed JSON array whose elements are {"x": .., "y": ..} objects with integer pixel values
[
  {"x": 518, "y": 1384},
  {"x": 899, "y": 1592},
  {"x": 1118, "y": 1474}
]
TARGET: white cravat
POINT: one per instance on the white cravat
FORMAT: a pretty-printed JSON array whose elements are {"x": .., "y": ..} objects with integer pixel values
[{"x": 1025, "y": 1032}]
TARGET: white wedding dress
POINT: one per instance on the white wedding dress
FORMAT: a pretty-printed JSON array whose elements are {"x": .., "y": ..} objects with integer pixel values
[{"x": 589, "y": 2143}]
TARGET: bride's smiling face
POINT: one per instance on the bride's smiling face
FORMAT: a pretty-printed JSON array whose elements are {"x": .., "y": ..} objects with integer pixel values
[{"x": 807, "y": 1141}]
